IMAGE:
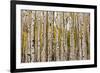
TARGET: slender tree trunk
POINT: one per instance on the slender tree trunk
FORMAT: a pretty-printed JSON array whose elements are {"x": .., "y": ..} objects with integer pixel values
[
  {"x": 23, "y": 35},
  {"x": 67, "y": 15},
  {"x": 80, "y": 20},
  {"x": 62, "y": 38},
  {"x": 50, "y": 29},
  {"x": 32, "y": 37},
  {"x": 72, "y": 54},
  {"x": 29, "y": 37},
  {"x": 87, "y": 36},
  {"x": 35, "y": 38},
  {"x": 57, "y": 21},
  {"x": 65, "y": 37},
  {"x": 43, "y": 53},
  {"x": 38, "y": 24},
  {"x": 77, "y": 37},
  {"x": 84, "y": 48}
]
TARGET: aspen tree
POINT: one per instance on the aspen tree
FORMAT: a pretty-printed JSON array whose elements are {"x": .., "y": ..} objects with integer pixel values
[
  {"x": 56, "y": 23},
  {"x": 41, "y": 35},
  {"x": 65, "y": 36},
  {"x": 72, "y": 54},
  {"x": 32, "y": 37},
  {"x": 53, "y": 42},
  {"x": 35, "y": 37},
  {"x": 62, "y": 38},
  {"x": 54, "y": 38},
  {"x": 29, "y": 36},
  {"x": 84, "y": 47},
  {"x": 23, "y": 36},
  {"x": 87, "y": 36},
  {"x": 50, "y": 35},
  {"x": 38, "y": 24},
  {"x": 80, "y": 20},
  {"x": 75, "y": 32},
  {"x": 43, "y": 52},
  {"x": 77, "y": 36},
  {"x": 67, "y": 15}
]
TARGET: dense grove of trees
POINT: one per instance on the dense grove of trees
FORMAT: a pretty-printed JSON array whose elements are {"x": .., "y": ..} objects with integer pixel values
[{"x": 54, "y": 36}]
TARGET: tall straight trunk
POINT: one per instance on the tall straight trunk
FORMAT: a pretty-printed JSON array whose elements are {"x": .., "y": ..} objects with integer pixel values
[
  {"x": 56, "y": 23},
  {"x": 75, "y": 32},
  {"x": 50, "y": 35},
  {"x": 41, "y": 32},
  {"x": 38, "y": 24},
  {"x": 62, "y": 38},
  {"x": 41, "y": 35},
  {"x": 67, "y": 21},
  {"x": 87, "y": 35},
  {"x": 43, "y": 52},
  {"x": 65, "y": 37},
  {"x": 26, "y": 30},
  {"x": 32, "y": 37},
  {"x": 54, "y": 40},
  {"x": 23, "y": 35},
  {"x": 71, "y": 22},
  {"x": 84, "y": 47},
  {"x": 36, "y": 37},
  {"x": 80, "y": 20},
  {"x": 77, "y": 37},
  {"x": 29, "y": 37}
]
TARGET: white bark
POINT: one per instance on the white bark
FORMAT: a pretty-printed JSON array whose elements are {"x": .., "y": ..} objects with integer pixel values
[
  {"x": 22, "y": 36},
  {"x": 77, "y": 37},
  {"x": 50, "y": 35},
  {"x": 72, "y": 55},
  {"x": 65, "y": 37},
  {"x": 43, "y": 52},
  {"x": 80, "y": 20},
  {"x": 38, "y": 24},
  {"x": 62, "y": 38},
  {"x": 56, "y": 23},
  {"x": 29, "y": 37},
  {"x": 32, "y": 37}
]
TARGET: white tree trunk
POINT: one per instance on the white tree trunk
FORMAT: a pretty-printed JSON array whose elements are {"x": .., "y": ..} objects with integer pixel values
[
  {"x": 43, "y": 52},
  {"x": 50, "y": 35},
  {"x": 65, "y": 37},
  {"x": 56, "y": 23},
  {"x": 32, "y": 37},
  {"x": 29, "y": 37},
  {"x": 62, "y": 37},
  {"x": 77, "y": 37},
  {"x": 80, "y": 20},
  {"x": 72, "y": 54},
  {"x": 38, "y": 24},
  {"x": 23, "y": 37}
]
